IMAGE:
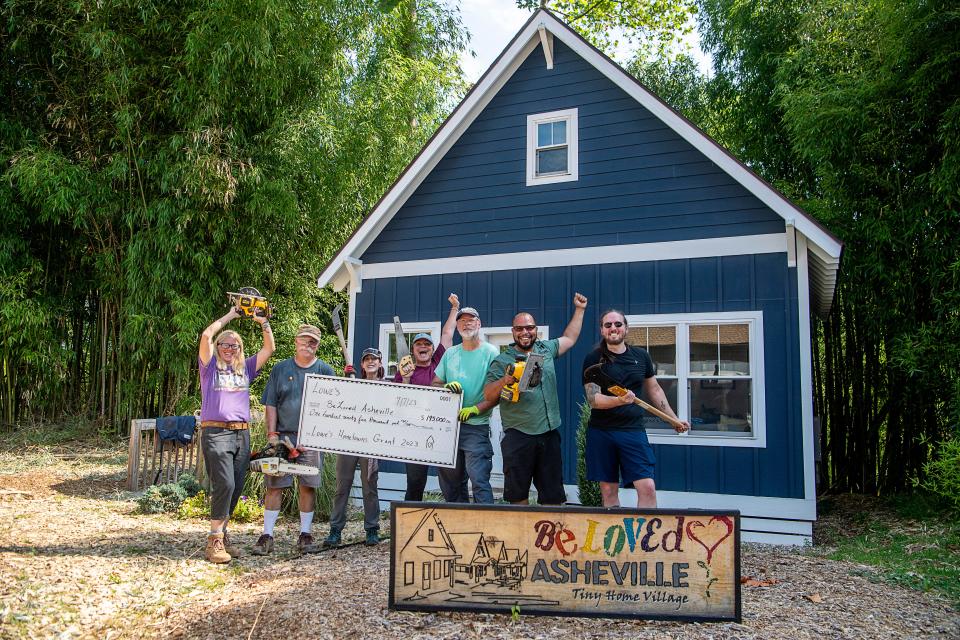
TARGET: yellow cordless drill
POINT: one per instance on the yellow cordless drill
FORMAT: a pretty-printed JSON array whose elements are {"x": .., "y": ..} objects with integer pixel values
[{"x": 511, "y": 392}]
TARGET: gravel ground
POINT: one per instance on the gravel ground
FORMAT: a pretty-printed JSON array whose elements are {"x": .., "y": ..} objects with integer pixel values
[{"x": 76, "y": 562}]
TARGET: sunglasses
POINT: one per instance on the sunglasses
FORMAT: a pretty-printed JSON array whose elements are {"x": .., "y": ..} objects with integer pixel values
[
  {"x": 228, "y": 346},
  {"x": 528, "y": 327},
  {"x": 617, "y": 324}
]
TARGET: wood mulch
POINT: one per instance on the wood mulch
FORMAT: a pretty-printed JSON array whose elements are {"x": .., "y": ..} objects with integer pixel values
[{"x": 76, "y": 562}]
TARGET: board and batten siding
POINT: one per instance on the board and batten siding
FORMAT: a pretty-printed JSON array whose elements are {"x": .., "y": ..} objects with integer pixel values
[
  {"x": 761, "y": 282},
  {"x": 638, "y": 180}
]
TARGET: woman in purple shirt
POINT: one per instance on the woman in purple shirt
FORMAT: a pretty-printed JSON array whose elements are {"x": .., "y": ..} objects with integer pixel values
[{"x": 225, "y": 377}]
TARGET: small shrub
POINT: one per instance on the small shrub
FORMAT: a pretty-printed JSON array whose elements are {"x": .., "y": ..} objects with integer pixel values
[
  {"x": 589, "y": 491},
  {"x": 248, "y": 510},
  {"x": 189, "y": 484},
  {"x": 167, "y": 498},
  {"x": 197, "y": 506},
  {"x": 943, "y": 472},
  {"x": 161, "y": 498}
]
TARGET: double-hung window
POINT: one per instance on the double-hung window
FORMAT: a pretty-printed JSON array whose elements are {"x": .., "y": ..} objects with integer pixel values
[
  {"x": 710, "y": 367},
  {"x": 552, "y": 147}
]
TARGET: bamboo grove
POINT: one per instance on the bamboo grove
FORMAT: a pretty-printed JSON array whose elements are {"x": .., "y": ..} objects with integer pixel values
[
  {"x": 157, "y": 154},
  {"x": 852, "y": 108}
]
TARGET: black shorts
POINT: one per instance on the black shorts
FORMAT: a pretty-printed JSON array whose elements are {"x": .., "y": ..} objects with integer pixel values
[{"x": 534, "y": 459}]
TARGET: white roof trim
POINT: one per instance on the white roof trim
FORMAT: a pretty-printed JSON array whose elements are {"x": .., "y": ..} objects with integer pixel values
[{"x": 512, "y": 57}]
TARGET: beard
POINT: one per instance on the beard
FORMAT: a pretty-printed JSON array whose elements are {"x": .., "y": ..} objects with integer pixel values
[
  {"x": 616, "y": 339},
  {"x": 525, "y": 341},
  {"x": 470, "y": 334}
]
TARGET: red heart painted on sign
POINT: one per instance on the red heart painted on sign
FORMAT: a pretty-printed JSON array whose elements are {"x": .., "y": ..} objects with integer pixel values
[{"x": 718, "y": 529}]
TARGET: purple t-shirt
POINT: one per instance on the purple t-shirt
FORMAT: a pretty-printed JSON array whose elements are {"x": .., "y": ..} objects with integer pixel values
[
  {"x": 226, "y": 394},
  {"x": 423, "y": 376}
]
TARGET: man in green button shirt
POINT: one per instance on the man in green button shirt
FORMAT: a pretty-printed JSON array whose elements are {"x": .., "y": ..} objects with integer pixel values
[{"x": 531, "y": 440}]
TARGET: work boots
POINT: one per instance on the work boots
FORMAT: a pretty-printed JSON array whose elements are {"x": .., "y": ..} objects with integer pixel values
[
  {"x": 215, "y": 552},
  {"x": 333, "y": 540},
  {"x": 232, "y": 549},
  {"x": 305, "y": 543},
  {"x": 263, "y": 546}
]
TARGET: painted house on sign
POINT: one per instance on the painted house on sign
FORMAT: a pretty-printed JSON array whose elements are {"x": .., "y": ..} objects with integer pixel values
[{"x": 559, "y": 173}]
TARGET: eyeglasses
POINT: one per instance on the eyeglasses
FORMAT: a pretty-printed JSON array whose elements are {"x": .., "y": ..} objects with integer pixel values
[
  {"x": 617, "y": 324},
  {"x": 527, "y": 327},
  {"x": 308, "y": 342},
  {"x": 229, "y": 346}
]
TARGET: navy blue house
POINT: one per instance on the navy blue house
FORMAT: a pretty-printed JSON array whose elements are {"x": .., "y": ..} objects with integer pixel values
[{"x": 560, "y": 173}]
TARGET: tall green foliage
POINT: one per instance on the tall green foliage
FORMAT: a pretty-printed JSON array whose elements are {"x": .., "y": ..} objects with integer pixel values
[
  {"x": 853, "y": 109},
  {"x": 653, "y": 25},
  {"x": 157, "y": 155}
]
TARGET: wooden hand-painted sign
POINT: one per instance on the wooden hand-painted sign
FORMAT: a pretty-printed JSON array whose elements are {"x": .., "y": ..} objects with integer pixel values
[
  {"x": 382, "y": 420},
  {"x": 579, "y": 561}
]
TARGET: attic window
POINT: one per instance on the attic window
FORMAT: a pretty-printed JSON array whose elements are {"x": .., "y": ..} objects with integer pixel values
[{"x": 552, "y": 147}]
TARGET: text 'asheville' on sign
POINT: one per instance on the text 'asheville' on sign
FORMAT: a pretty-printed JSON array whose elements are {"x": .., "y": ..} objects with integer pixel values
[
  {"x": 661, "y": 563},
  {"x": 378, "y": 419}
]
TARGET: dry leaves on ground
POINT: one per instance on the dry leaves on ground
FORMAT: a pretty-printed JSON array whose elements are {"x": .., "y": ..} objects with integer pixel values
[{"x": 77, "y": 562}]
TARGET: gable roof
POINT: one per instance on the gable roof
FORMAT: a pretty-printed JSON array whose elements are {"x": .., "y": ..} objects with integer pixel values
[{"x": 824, "y": 248}]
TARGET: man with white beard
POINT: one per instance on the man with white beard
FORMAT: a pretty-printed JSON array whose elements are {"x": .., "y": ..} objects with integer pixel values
[{"x": 464, "y": 367}]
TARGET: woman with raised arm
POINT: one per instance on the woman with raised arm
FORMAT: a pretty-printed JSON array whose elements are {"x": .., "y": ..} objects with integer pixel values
[{"x": 225, "y": 377}]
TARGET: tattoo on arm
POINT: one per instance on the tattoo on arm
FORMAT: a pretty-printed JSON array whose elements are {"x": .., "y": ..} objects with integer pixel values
[{"x": 592, "y": 390}]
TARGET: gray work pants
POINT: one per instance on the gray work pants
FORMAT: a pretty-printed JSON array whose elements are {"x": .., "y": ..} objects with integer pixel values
[
  {"x": 226, "y": 455},
  {"x": 346, "y": 465}
]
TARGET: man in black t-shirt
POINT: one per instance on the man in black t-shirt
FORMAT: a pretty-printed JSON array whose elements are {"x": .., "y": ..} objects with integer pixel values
[{"x": 617, "y": 444}]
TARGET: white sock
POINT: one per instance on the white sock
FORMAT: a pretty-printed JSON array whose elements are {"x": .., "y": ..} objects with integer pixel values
[
  {"x": 306, "y": 521},
  {"x": 214, "y": 532},
  {"x": 269, "y": 521}
]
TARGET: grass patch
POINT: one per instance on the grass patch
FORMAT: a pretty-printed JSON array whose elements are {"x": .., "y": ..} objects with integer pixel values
[
  {"x": 910, "y": 541},
  {"x": 57, "y": 434}
]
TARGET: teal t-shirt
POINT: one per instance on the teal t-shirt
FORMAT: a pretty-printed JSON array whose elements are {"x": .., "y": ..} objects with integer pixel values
[
  {"x": 538, "y": 410},
  {"x": 469, "y": 368},
  {"x": 284, "y": 391}
]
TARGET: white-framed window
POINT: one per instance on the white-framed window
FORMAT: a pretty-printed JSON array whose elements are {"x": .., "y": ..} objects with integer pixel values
[
  {"x": 710, "y": 366},
  {"x": 388, "y": 346},
  {"x": 552, "y": 147}
]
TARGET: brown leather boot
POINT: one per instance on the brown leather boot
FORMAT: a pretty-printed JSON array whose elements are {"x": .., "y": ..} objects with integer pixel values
[{"x": 215, "y": 552}]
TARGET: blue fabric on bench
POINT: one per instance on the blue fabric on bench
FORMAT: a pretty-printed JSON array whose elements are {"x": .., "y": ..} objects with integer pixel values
[{"x": 176, "y": 428}]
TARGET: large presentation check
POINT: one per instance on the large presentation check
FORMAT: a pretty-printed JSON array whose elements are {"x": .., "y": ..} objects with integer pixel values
[{"x": 384, "y": 420}]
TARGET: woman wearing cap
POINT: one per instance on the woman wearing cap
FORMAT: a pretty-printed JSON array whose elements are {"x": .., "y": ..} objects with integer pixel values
[
  {"x": 225, "y": 377},
  {"x": 371, "y": 368}
]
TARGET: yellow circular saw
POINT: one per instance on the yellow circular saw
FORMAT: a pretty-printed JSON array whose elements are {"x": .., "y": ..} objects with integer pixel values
[{"x": 250, "y": 303}]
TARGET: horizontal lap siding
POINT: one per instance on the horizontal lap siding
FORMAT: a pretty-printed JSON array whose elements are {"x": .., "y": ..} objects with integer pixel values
[
  {"x": 638, "y": 181},
  {"x": 735, "y": 283}
]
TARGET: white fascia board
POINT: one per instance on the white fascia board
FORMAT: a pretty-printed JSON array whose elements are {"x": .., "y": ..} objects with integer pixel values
[
  {"x": 707, "y": 248},
  {"x": 448, "y": 134},
  {"x": 806, "y": 369},
  {"x": 694, "y": 136}
]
